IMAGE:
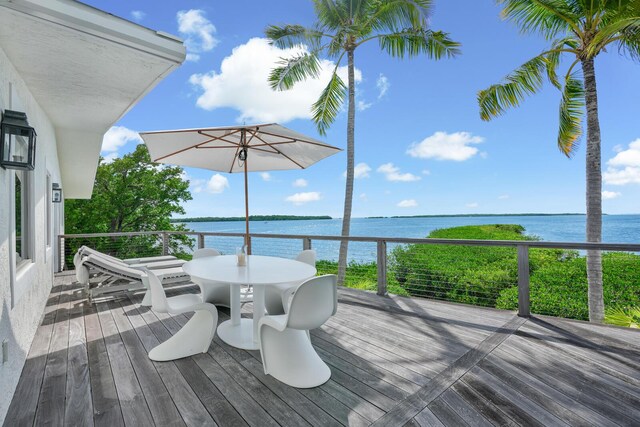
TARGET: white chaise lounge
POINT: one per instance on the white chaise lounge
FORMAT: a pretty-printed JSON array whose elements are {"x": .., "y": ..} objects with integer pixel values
[
  {"x": 118, "y": 277},
  {"x": 162, "y": 261}
]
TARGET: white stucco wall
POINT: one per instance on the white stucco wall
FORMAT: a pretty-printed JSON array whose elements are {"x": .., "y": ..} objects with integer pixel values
[{"x": 20, "y": 315}]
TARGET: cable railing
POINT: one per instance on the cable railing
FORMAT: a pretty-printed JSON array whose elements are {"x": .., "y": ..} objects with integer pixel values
[{"x": 528, "y": 276}]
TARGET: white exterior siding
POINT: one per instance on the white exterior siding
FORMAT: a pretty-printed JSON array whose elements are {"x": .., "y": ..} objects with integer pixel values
[{"x": 24, "y": 293}]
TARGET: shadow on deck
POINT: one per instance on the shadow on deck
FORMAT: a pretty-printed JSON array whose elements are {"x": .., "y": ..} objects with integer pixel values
[{"x": 394, "y": 361}]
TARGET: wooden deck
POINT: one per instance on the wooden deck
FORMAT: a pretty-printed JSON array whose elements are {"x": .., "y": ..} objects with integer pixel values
[{"x": 394, "y": 361}]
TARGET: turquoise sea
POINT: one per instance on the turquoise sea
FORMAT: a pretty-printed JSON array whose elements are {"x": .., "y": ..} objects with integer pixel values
[{"x": 557, "y": 228}]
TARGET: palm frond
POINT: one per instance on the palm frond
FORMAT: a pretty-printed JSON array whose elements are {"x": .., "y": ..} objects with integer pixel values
[
  {"x": 571, "y": 113},
  {"x": 288, "y": 36},
  {"x": 412, "y": 42},
  {"x": 623, "y": 31},
  {"x": 327, "y": 107},
  {"x": 293, "y": 70},
  {"x": 546, "y": 17},
  {"x": 630, "y": 46},
  {"x": 524, "y": 81},
  {"x": 331, "y": 14},
  {"x": 553, "y": 57},
  {"x": 393, "y": 15},
  {"x": 623, "y": 316},
  {"x": 336, "y": 45}
]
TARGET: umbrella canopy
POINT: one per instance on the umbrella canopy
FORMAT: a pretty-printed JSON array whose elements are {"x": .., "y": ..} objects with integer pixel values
[{"x": 254, "y": 148}]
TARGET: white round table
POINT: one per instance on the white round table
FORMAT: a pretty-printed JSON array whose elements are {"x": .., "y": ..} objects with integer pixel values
[{"x": 259, "y": 271}]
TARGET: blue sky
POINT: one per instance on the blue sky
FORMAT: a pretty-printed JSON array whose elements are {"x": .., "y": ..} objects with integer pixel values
[{"x": 419, "y": 137}]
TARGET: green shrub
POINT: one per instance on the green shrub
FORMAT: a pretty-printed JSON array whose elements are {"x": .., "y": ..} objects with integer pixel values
[
  {"x": 560, "y": 288},
  {"x": 468, "y": 274},
  {"x": 488, "y": 276},
  {"x": 359, "y": 276}
]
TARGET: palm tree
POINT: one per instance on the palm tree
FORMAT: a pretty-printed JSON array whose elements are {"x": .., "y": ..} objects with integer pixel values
[
  {"x": 581, "y": 29},
  {"x": 401, "y": 29}
]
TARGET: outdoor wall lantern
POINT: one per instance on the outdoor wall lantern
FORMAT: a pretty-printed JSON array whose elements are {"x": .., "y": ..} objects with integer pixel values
[
  {"x": 56, "y": 193},
  {"x": 17, "y": 141}
]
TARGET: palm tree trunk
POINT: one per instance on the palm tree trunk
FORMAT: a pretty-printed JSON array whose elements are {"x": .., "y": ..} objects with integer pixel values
[
  {"x": 594, "y": 194},
  {"x": 348, "y": 193}
]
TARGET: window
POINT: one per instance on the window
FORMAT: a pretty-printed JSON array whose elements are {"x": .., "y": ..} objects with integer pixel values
[
  {"x": 21, "y": 217},
  {"x": 47, "y": 197}
]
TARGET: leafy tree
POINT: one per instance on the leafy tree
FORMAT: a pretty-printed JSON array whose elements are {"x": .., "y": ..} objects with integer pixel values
[
  {"x": 401, "y": 29},
  {"x": 130, "y": 194},
  {"x": 581, "y": 30}
]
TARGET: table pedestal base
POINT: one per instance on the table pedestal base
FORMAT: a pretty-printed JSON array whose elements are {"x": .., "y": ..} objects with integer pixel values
[{"x": 240, "y": 336}]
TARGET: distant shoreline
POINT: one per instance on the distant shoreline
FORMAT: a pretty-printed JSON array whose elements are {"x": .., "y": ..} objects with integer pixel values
[
  {"x": 252, "y": 218},
  {"x": 327, "y": 217},
  {"x": 476, "y": 215}
]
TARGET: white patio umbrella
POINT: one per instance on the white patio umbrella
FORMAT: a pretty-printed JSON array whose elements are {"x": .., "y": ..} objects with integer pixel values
[{"x": 254, "y": 148}]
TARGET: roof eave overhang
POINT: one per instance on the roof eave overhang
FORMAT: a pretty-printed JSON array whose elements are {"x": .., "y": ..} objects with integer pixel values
[{"x": 79, "y": 130}]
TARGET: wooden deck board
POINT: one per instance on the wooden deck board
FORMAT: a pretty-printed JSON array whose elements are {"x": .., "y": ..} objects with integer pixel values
[{"x": 394, "y": 361}]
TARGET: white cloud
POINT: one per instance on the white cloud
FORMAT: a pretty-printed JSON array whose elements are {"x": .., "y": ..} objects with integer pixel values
[
  {"x": 472, "y": 205},
  {"x": 217, "y": 184},
  {"x": 301, "y": 198},
  {"x": 446, "y": 146},
  {"x": 138, "y": 15},
  {"x": 361, "y": 170},
  {"x": 503, "y": 197},
  {"x": 618, "y": 148},
  {"x": 409, "y": 203},
  {"x": 624, "y": 167},
  {"x": 117, "y": 137},
  {"x": 426, "y": 172},
  {"x": 383, "y": 85},
  {"x": 195, "y": 185},
  {"x": 242, "y": 84},
  {"x": 362, "y": 105},
  {"x": 300, "y": 182},
  {"x": 364, "y": 197},
  {"x": 109, "y": 158},
  {"x": 392, "y": 173},
  {"x": 607, "y": 195},
  {"x": 266, "y": 176},
  {"x": 198, "y": 32}
]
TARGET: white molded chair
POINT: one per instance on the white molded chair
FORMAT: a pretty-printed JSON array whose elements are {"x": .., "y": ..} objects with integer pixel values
[
  {"x": 276, "y": 297},
  {"x": 287, "y": 353},
  {"x": 214, "y": 292},
  {"x": 195, "y": 336}
]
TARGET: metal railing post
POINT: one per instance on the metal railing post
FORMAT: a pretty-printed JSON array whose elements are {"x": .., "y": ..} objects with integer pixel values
[
  {"x": 200, "y": 240},
  {"x": 381, "y": 260},
  {"x": 306, "y": 243},
  {"x": 524, "y": 309},
  {"x": 165, "y": 243}
]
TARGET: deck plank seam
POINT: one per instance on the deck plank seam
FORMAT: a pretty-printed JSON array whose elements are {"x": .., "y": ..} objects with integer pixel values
[
  {"x": 130, "y": 297},
  {"x": 115, "y": 307},
  {"x": 230, "y": 353},
  {"x": 56, "y": 296},
  {"x": 108, "y": 313},
  {"x": 166, "y": 320},
  {"x": 579, "y": 342},
  {"x": 408, "y": 408},
  {"x": 135, "y": 304}
]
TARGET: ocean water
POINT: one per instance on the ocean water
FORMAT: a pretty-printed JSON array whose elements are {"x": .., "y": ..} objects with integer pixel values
[{"x": 560, "y": 228}]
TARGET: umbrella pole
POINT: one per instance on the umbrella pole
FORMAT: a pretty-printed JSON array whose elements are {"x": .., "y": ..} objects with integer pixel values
[{"x": 246, "y": 209}]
